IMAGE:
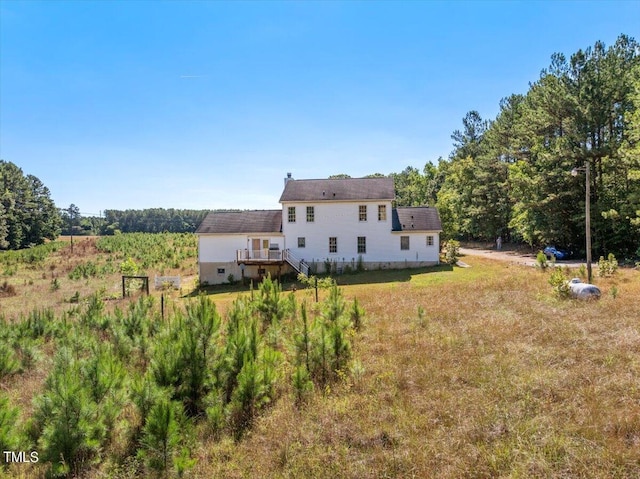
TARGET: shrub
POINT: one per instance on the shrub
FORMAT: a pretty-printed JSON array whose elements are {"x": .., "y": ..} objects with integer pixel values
[
  {"x": 313, "y": 281},
  {"x": 7, "y": 290},
  {"x": 248, "y": 397},
  {"x": 357, "y": 315},
  {"x": 582, "y": 271},
  {"x": 302, "y": 384},
  {"x": 607, "y": 267},
  {"x": 66, "y": 423},
  {"x": 8, "y": 362},
  {"x": 558, "y": 281},
  {"x": 84, "y": 271},
  {"x": 8, "y": 417},
  {"x": 541, "y": 261},
  {"x": 451, "y": 250},
  {"x": 161, "y": 435}
]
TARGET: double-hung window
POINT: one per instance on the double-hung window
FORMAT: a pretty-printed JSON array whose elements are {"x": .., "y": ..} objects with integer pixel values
[
  {"x": 311, "y": 214},
  {"x": 429, "y": 240},
  {"x": 404, "y": 242},
  {"x": 333, "y": 244},
  {"x": 291, "y": 214},
  {"x": 362, "y": 244},
  {"x": 362, "y": 213},
  {"x": 382, "y": 212}
]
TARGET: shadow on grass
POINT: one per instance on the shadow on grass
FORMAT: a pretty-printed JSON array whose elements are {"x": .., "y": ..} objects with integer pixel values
[{"x": 365, "y": 277}]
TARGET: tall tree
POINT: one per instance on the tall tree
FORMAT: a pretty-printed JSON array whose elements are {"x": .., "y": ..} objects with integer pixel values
[
  {"x": 29, "y": 214},
  {"x": 513, "y": 174}
]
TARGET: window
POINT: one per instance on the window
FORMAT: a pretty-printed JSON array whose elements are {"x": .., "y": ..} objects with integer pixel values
[
  {"x": 382, "y": 212},
  {"x": 220, "y": 270},
  {"x": 362, "y": 212},
  {"x": 311, "y": 214},
  {"x": 302, "y": 242},
  {"x": 429, "y": 240},
  {"x": 292, "y": 214},
  {"x": 265, "y": 244},
  {"x": 362, "y": 244},
  {"x": 404, "y": 242},
  {"x": 333, "y": 244}
]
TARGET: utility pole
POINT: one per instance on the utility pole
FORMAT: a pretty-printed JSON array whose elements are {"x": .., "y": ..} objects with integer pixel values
[
  {"x": 587, "y": 211},
  {"x": 587, "y": 220}
]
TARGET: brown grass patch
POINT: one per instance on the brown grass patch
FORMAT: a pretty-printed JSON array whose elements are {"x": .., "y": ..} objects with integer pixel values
[{"x": 497, "y": 378}]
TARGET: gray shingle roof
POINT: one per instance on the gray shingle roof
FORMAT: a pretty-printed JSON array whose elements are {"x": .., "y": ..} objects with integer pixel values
[
  {"x": 258, "y": 221},
  {"x": 418, "y": 218},
  {"x": 339, "y": 189}
]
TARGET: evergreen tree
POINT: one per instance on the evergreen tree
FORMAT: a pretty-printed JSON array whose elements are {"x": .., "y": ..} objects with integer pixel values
[{"x": 29, "y": 216}]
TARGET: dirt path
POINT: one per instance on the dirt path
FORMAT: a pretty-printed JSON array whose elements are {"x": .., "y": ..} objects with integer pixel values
[
  {"x": 512, "y": 256},
  {"x": 515, "y": 256}
]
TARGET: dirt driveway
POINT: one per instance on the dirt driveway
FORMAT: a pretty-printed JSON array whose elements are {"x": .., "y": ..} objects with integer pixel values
[{"x": 512, "y": 255}]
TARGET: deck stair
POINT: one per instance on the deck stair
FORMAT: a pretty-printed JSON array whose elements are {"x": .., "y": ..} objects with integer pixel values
[{"x": 298, "y": 264}]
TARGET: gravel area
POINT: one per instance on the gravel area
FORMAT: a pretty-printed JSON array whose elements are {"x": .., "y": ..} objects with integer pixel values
[{"x": 514, "y": 256}]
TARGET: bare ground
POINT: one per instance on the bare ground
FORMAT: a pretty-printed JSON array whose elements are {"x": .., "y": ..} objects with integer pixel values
[{"x": 515, "y": 255}]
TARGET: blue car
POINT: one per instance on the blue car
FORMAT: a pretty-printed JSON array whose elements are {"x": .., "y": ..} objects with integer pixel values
[{"x": 559, "y": 254}]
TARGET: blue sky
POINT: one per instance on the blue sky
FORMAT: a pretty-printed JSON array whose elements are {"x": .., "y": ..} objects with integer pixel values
[{"x": 204, "y": 104}]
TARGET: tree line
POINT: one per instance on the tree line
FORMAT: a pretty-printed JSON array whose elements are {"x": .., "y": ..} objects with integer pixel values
[
  {"x": 511, "y": 176},
  {"x": 153, "y": 220},
  {"x": 148, "y": 220}
]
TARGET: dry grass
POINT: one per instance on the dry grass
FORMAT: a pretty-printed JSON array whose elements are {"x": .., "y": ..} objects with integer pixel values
[
  {"x": 33, "y": 285},
  {"x": 476, "y": 373},
  {"x": 496, "y": 379}
]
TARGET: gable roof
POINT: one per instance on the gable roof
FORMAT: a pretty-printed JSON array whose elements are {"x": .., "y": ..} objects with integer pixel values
[
  {"x": 256, "y": 221},
  {"x": 416, "y": 218},
  {"x": 344, "y": 189}
]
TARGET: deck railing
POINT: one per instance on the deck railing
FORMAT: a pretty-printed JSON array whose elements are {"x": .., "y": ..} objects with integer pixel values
[
  {"x": 272, "y": 255},
  {"x": 298, "y": 264},
  {"x": 258, "y": 255}
]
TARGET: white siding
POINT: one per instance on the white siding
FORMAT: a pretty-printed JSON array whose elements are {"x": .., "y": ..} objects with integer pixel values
[
  {"x": 341, "y": 220},
  {"x": 223, "y": 247},
  {"x": 418, "y": 249},
  {"x": 220, "y": 248}
]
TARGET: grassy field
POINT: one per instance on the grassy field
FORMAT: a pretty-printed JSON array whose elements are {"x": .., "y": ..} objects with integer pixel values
[
  {"x": 458, "y": 372},
  {"x": 476, "y": 372},
  {"x": 60, "y": 277}
]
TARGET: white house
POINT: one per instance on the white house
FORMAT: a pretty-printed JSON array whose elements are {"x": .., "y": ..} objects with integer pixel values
[{"x": 336, "y": 223}]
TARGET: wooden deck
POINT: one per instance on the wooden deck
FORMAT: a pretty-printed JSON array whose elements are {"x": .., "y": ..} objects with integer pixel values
[{"x": 260, "y": 256}]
